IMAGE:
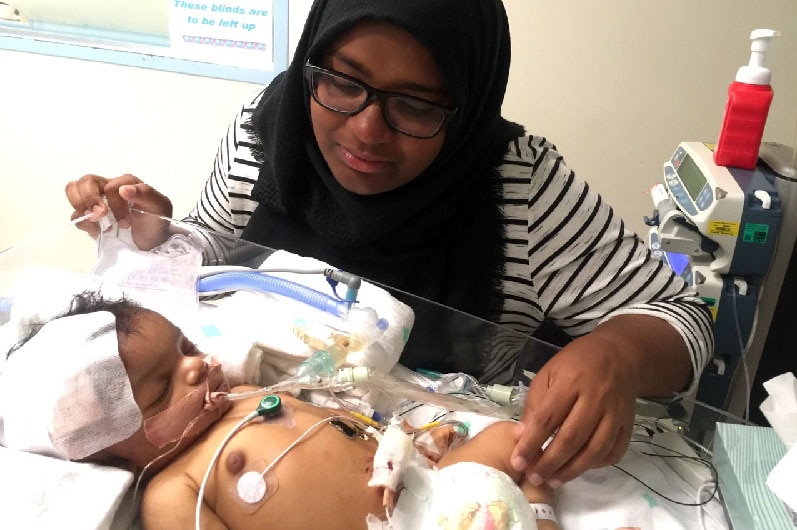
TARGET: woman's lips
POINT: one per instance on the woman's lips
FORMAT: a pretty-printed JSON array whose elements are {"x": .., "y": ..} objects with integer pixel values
[{"x": 361, "y": 163}]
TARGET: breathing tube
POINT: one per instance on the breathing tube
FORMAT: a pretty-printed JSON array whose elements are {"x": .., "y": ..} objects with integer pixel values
[{"x": 258, "y": 281}]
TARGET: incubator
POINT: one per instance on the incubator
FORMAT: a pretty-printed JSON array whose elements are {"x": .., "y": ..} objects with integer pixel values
[{"x": 327, "y": 319}]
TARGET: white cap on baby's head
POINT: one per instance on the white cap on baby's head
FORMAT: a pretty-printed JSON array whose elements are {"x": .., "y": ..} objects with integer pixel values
[{"x": 65, "y": 392}]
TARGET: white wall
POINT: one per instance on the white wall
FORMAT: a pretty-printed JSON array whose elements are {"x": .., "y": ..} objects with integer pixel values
[
  {"x": 62, "y": 118},
  {"x": 617, "y": 84}
]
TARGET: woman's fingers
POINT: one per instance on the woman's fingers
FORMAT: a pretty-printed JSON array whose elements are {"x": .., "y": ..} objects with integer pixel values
[
  {"x": 98, "y": 195},
  {"x": 85, "y": 195}
]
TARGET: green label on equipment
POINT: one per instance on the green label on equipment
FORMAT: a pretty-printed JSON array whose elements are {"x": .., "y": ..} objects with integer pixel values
[{"x": 755, "y": 233}]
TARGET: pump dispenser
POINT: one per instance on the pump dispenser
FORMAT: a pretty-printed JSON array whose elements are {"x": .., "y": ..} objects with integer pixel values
[{"x": 746, "y": 110}]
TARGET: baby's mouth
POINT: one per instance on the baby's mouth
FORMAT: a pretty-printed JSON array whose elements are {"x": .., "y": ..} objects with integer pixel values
[{"x": 217, "y": 388}]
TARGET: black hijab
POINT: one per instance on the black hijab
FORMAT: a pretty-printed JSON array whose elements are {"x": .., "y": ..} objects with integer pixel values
[{"x": 441, "y": 235}]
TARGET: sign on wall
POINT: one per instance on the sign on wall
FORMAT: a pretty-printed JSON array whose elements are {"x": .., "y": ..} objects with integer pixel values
[{"x": 236, "y": 32}]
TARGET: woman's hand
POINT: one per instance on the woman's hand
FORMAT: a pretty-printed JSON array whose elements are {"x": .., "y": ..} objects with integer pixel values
[
  {"x": 584, "y": 396},
  {"x": 122, "y": 193}
]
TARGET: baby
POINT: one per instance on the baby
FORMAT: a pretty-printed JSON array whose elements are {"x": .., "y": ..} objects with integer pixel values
[{"x": 293, "y": 466}]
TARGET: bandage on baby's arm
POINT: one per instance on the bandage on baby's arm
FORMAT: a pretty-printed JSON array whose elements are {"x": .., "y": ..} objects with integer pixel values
[{"x": 389, "y": 460}]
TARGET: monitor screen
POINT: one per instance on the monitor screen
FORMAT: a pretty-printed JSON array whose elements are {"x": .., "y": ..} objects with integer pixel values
[{"x": 691, "y": 176}]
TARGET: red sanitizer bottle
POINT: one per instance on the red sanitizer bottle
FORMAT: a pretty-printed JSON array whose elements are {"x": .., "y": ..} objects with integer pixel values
[{"x": 749, "y": 97}]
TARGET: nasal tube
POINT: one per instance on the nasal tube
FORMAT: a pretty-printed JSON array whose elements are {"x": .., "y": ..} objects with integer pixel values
[{"x": 258, "y": 281}]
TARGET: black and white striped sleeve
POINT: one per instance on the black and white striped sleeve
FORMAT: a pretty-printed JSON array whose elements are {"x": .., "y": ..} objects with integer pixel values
[
  {"x": 225, "y": 203},
  {"x": 586, "y": 265}
]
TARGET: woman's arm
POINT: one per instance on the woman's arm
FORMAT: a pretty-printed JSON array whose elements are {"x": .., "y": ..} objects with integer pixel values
[
  {"x": 225, "y": 205},
  {"x": 638, "y": 329}
]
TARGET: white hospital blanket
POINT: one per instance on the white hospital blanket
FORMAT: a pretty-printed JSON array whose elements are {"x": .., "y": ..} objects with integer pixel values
[
  {"x": 42, "y": 493},
  {"x": 607, "y": 498}
]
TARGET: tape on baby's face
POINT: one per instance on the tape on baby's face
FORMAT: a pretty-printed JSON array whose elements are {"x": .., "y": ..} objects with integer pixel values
[{"x": 193, "y": 414}]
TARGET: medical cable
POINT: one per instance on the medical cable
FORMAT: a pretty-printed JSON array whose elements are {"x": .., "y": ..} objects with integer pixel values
[
  {"x": 701, "y": 510},
  {"x": 160, "y": 457},
  {"x": 662, "y": 428},
  {"x": 201, "y": 494},
  {"x": 45, "y": 234},
  {"x": 744, "y": 348},
  {"x": 360, "y": 409},
  {"x": 249, "y": 417},
  {"x": 675, "y": 454}
]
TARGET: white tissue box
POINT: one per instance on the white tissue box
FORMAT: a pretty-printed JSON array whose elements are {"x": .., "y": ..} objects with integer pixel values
[{"x": 744, "y": 455}]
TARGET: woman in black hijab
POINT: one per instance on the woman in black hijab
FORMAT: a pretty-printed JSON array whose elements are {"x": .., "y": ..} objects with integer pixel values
[
  {"x": 412, "y": 237},
  {"x": 381, "y": 150}
]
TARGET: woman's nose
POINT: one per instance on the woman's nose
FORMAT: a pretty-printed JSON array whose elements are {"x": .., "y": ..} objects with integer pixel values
[
  {"x": 194, "y": 370},
  {"x": 369, "y": 125}
]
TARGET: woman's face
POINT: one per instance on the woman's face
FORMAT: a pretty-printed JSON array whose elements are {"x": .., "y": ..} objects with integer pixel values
[{"x": 363, "y": 152}]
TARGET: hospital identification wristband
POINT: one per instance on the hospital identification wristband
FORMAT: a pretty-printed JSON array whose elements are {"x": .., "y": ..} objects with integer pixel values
[{"x": 543, "y": 511}]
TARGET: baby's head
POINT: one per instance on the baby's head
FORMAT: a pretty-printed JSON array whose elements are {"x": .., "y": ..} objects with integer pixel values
[{"x": 113, "y": 383}]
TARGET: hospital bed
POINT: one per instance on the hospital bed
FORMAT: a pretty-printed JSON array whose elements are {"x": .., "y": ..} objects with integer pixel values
[{"x": 651, "y": 487}]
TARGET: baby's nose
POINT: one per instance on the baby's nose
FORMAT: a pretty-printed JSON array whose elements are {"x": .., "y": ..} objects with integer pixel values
[{"x": 194, "y": 370}]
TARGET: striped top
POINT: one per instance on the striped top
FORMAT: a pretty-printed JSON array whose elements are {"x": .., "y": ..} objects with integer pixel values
[{"x": 569, "y": 258}]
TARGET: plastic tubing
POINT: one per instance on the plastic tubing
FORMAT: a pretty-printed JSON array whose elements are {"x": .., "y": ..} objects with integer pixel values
[{"x": 257, "y": 281}]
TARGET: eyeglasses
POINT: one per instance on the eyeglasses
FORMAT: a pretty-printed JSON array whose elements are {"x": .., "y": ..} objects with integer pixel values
[{"x": 409, "y": 115}]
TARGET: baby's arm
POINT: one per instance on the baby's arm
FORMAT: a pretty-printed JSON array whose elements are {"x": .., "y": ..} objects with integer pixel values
[
  {"x": 493, "y": 447},
  {"x": 169, "y": 502}
]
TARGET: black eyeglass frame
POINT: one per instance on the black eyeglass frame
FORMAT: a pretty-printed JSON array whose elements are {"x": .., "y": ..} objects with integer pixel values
[{"x": 372, "y": 94}]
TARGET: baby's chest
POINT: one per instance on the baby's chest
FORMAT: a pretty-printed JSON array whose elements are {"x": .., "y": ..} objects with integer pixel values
[{"x": 267, "y": 474}]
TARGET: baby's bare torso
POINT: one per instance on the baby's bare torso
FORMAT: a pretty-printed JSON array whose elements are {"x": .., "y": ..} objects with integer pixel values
[{"x": 320, "y": 483}]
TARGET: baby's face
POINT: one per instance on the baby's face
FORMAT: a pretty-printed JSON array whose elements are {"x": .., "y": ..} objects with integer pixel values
[
  {"x": 162, "y": 364},
  {"x": 163, "y": 367}
]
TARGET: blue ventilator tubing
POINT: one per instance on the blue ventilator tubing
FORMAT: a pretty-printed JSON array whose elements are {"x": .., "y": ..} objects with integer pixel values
[{"x": 258, "y": 281}]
